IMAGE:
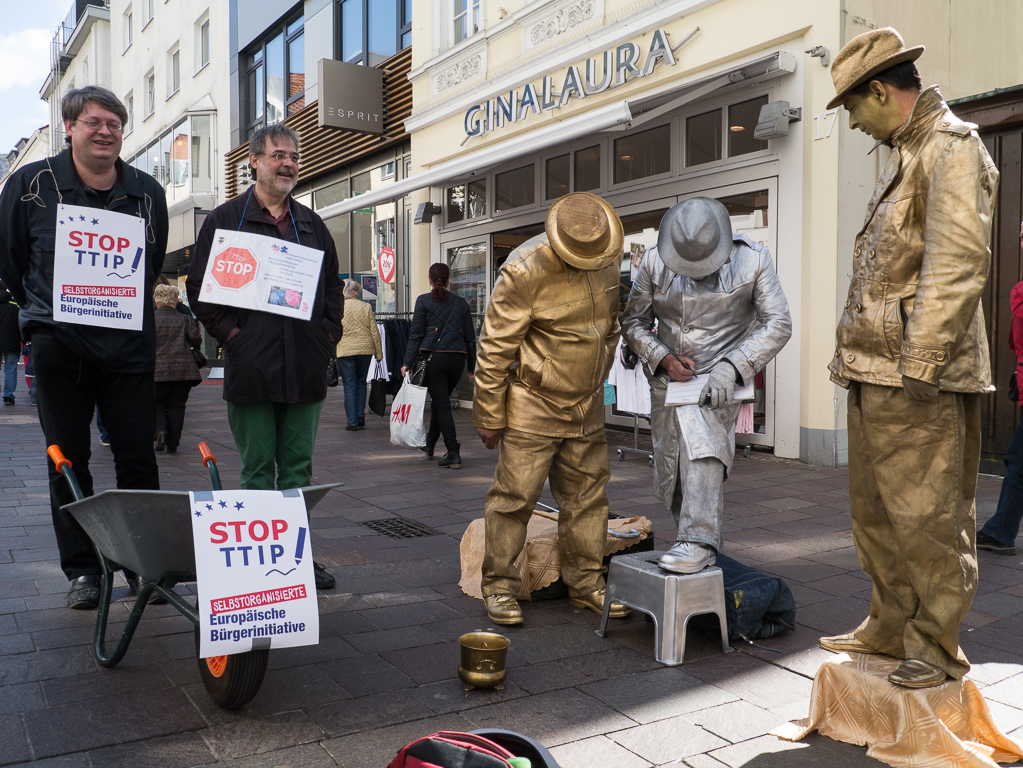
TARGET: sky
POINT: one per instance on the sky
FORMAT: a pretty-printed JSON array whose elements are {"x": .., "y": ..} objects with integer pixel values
[{"x": 26, "y": 29}]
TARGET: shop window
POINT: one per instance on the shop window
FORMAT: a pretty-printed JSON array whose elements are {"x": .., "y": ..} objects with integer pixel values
[
  {"x": 339, "y": 226},
  {"x": 466, "y": 201},
  {"x": 742, "y": 121},
  {"x": 557, "y": 176},
  {"x": 643, "y": 154},
  {"x": 373, "y": 30},
  {"x": 275, "y": 76},
  {"x": 587, "y": 169},
  {"x": 703, "y": 138},
  {"x": 514, "y": 189}
]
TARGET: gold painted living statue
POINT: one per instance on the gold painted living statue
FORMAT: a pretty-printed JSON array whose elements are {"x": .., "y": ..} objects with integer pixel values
[
  {"x": 548, "y": 341},
  {"x": 913, "y": 353}
]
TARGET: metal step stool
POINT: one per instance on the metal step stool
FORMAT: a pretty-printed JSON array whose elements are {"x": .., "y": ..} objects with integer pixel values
[{"x": 670, "y": 599}]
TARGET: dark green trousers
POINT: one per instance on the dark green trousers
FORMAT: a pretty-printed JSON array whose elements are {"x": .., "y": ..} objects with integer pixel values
[{"x": 275, "y": 440}]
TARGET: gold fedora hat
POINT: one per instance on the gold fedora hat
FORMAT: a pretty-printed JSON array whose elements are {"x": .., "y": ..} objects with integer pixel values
[
  {"x": 695, "y": 237},
  {"x": 865, "y": 56},
  {"x": 585, "y": 231}
]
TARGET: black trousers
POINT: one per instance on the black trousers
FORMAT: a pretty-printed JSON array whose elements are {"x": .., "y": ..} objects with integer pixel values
[
  {"x": 69, "y": 389},
  {"x": 442, "y": 375},
  {"x": 171, "y": 398}
]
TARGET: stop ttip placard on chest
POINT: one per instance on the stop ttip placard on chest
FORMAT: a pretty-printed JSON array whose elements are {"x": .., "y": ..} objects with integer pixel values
[
  {"x": 254, "y": 571},
  {"x": 263, "y": 273},
  {"x": 99, "y": 268}
]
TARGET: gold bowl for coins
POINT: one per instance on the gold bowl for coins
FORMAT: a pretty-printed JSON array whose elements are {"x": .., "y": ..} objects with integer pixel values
[{"x": 483, "y": 658}]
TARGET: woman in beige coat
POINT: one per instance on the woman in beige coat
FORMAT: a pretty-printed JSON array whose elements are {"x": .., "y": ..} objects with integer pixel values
[{"x": 360, "y": 340}]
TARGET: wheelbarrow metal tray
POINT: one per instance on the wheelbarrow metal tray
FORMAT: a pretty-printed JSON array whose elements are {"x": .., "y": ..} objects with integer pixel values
[{"x": 150, "y": 532}]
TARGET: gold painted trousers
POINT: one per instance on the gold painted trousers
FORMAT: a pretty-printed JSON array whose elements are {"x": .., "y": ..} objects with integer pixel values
[
  {"x": 578, "y": 469},
  {"x": 912, "y": 486}
]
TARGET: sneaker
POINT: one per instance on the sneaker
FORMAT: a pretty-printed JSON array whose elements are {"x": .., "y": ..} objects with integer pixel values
[
  {"x": 688, "y": 557},
  {"x": 9, "y": 400},
  {"x": 993, "y": 545},
  {"x": 104, "y": 442}
]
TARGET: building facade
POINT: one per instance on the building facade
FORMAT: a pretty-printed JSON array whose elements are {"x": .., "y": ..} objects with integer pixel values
[{"x": 647, "y": 103}]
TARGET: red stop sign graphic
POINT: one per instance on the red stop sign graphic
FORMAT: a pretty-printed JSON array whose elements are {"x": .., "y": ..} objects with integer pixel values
[{"x": 234, "y": 268}]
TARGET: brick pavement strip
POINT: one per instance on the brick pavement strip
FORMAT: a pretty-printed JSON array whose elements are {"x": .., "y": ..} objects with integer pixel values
[{"x": 385, "y": 670}]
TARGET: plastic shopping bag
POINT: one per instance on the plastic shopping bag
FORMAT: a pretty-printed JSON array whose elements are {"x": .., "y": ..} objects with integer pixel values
[{"x": 407, "y": 416}]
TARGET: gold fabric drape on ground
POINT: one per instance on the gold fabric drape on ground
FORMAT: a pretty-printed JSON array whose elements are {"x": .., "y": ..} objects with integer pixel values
[
  {"x": 948, "y": 726},
  {"x": 539, "y": 564}
]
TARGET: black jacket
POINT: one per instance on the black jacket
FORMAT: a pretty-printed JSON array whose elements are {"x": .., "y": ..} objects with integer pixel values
[
  {"x": 28, "y": 227},
  {"x": 432, "y": 330},
  {"x": 10, "y": 333},
  {"x": 272, "y": 358}
]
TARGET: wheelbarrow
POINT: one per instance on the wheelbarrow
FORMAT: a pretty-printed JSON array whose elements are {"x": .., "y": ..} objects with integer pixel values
[{"x": 150, "y": 533}]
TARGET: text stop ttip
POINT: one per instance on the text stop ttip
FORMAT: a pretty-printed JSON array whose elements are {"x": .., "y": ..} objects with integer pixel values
[{"x": 249, "y": 536}]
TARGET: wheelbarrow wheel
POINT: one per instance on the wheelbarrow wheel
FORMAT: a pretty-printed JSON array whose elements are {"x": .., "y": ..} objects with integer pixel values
[{"x": 232, "y": 681}]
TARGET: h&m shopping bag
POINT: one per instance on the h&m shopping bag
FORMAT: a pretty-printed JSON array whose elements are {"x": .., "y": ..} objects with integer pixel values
[{"x": 407, "y": 416}]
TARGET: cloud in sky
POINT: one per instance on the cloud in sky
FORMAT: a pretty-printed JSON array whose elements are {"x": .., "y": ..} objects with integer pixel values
[{"x": 25, "y": 58}]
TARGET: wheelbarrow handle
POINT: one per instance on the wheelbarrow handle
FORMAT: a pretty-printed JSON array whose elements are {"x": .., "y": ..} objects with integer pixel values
[
  {"x": 64, "y": 467},
  {"x": 210, "y": 462},
  {"x": 206, "y": 453}
]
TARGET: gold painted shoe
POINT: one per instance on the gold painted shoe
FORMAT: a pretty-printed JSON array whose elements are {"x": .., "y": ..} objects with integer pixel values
[
  {"x": 845, "y": 644},
  {"x": 914, "y": 673},
  {"x": 595, "y": 602},
  {"x": 503, "y": 609}
]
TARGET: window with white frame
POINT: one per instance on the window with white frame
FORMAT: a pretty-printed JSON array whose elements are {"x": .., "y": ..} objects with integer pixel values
[
  {"x": 129, "y": 106},
  {"x": 202, "y": 41},
  {"x": 150, "y": 93},
  {"x": 173, "y": 70},
  {"x": 127, "y": 26},
  {"x": 147, "y": 12},
  {"x": 467, "y": 18}
]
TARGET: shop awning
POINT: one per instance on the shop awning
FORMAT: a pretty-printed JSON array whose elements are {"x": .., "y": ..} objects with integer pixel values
[{"x": 618, "y": 115}]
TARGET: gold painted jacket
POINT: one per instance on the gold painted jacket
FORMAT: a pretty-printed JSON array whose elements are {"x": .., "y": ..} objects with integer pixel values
[
  {"x": 921, "y": 260},
  {"x": 547, "y": 344}
]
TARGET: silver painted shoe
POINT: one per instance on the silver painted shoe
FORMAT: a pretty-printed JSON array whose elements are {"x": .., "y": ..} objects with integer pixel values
[{"x": 688, "y": 557}]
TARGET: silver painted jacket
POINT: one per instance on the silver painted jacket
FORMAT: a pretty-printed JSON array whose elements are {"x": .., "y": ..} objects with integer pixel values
[{"x": 739, "y": 314}]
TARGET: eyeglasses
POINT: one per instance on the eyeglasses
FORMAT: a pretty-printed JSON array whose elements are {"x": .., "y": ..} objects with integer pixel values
[
  {"x": 280, "y": 157},
  {"x": 95, "y": 125}
]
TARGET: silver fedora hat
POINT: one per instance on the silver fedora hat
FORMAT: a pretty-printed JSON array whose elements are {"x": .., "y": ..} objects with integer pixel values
[{"x": 695, "y": 237}]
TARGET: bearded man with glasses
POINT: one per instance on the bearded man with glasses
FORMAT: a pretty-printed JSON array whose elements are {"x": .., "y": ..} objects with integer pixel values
[
  {"x": 86, "y": 354},
  {"x": 275, "y": 378}
]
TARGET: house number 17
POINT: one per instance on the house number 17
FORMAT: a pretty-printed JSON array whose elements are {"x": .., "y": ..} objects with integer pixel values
[{"x": 819, "y": 120}]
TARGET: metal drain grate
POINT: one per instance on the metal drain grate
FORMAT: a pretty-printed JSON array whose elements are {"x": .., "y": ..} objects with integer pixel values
[{"x": 400, "y": 528}]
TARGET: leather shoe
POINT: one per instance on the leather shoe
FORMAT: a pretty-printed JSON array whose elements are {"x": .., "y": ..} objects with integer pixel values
[
  {"x": 135, "y": 584},
  {"x": 503, "y": 609},
  {"x": 161, "y": 442},
  {"x": 914, "y": 673},
  {"x": 845, "y": 644},
  {"x": 595, "y": 602},
  {"x": 84, "y": 593},
  {"x": 324, "y": 578},
  {"x": 688, "y": 557}
]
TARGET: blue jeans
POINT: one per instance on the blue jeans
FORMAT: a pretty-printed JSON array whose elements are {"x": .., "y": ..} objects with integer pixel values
[
  {"x": 354, "y": 369},
  {"x": 1004, "y": 526},
  {"x": 10, "y": 363}
]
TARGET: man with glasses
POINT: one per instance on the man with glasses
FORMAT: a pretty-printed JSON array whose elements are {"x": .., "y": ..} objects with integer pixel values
[
  {"x": 275, "y": 375},
  {"x": 87, "y": 361}
]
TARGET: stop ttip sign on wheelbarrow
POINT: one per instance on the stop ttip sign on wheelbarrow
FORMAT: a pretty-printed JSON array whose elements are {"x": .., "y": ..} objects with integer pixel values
[{"x": 234, "y": 268}]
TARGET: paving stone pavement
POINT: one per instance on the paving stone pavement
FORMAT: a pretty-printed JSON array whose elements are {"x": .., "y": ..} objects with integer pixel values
[{"x": 385, "y": 671}]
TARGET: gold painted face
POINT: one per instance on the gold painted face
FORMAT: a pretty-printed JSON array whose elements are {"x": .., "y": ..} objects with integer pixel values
[{"x": 876, "y": 113}]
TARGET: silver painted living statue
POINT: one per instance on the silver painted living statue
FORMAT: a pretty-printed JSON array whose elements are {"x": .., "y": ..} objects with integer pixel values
[{"x": 721, "y": 315}]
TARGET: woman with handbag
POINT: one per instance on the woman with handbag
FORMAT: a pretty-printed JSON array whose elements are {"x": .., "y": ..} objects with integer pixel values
[
  {"x": 360, "y": 340},
  {"x": 177, "y": 369},
  {"x": 441, "y": 342}
]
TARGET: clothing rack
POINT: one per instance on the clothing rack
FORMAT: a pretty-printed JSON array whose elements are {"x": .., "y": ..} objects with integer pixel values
[
  {"x": 392, "y": 315},
  {"x": 634, "y": 448}
]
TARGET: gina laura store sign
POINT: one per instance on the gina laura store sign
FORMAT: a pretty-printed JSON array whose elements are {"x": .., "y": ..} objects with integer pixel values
[{"x": 619, "y": 65}]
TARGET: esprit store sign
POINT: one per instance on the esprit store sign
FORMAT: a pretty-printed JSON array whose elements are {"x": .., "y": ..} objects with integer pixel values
[{"x": 621, "y": 64}]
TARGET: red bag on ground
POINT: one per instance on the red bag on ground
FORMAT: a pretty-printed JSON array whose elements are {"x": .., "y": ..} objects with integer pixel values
[{"x": 452, "y": 749}]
